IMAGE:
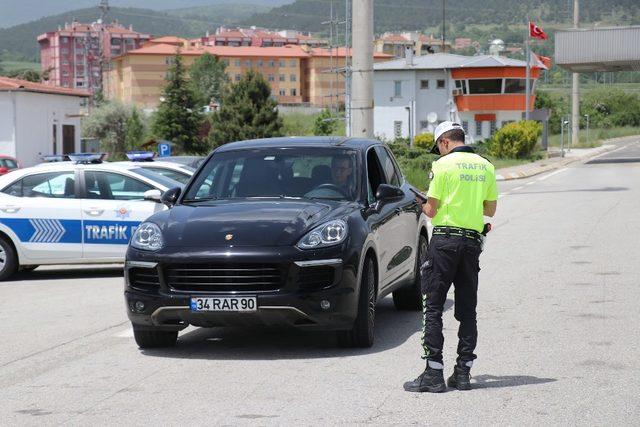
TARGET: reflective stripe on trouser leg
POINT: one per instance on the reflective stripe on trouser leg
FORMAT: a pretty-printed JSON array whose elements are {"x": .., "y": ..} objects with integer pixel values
[{"x": 424, "y": 327}]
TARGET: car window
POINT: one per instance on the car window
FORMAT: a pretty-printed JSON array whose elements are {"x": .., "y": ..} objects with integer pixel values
[
  {"x": 54, "y": 184},
  {"x": 387, "y": 165},
  {"x": 274, "y": 172},
  {"x": 375, "y": 175},
  {"x": 114, "y": 186},
  {"x": 395, "y": 166},
  {"x": 182, "y": 178},
  {"x": 8, "y": 163}
]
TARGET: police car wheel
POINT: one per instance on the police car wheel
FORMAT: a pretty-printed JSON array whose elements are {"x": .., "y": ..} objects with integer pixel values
[
  {"x": 361, "y": 334},
  {"x": 410, "y": 298},
  {"x": 8, "y": 260},
  {"x": 155, "y": 339}
]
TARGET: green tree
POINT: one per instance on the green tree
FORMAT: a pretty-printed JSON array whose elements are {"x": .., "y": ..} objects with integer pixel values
[
  {"x": 325, "y": 123},
  {"x": 208, "y": 78},
  {"x": 134, "y": 130},
  {"x": 178, "y": 117},
  {"x": 109, "y": 124},
  {"x": 25, "y": 74},
  {"x": 247, "y": 111}
]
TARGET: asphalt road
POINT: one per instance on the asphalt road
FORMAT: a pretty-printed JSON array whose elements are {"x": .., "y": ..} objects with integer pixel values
[{"x": 558, "y": 316}]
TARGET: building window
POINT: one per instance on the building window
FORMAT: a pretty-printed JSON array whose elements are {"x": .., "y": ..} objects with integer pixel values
[
  {"x": 482, "y": 86},
  {"x": 292, "y": 78},
  {"x": 65, "y": 73},
  {"x": 293, "y": 63},
  {"x": 272, "y": 63},
  {"x": 283, "y": 63},
  {"x": 440, "y": 84},
  {"x": 272, "y": 78},
  {"x": 397, "y": 129},
  {"x": 461, "y": 86},
  {"x": 79, "y": 84},
  {"x": 465, "y": 126},
  {"x": 116, "y": 42},
  {"x": 424, "y": 124},
  {"x": 478, "y": 128},
  {"x": 294, "y": 92},
  {"x": 397, "y": 89},
  {"x": 283, "y": 78},
  {"x": 260, "y": 63},
  {"x": 64, "y": 51},
  {"x": 248, "y": 63},
  {"x": 238, "y": 63},
  {"x": 424, "y": 84},
  {"x": 492, "y": 123},
  {"x": 515, "y": 86},
  {"x": 282, "y": 92},
  {"x": 65, "y": 62},
  {"x": 64, "y": 40},
  {"x": 169, "y": 60}
]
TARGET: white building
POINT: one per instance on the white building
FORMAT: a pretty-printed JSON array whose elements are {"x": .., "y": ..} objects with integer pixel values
[
  {"x": 482, "y": 93},
  {"x": 38, "y": 120}
]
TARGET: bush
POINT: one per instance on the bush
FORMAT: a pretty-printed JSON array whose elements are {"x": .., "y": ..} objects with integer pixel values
[
  {"x": 515, "y": 140},
  {"x": 424, "y": 141}
]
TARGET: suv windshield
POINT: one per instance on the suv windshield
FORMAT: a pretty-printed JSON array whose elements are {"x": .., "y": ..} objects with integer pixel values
[{"x": 321, "y": 173}]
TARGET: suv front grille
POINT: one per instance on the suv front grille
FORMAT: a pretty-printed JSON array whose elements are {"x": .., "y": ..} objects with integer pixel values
[
  {"x": 222, "y": 277},
  {"x": 144, "y": 279}
]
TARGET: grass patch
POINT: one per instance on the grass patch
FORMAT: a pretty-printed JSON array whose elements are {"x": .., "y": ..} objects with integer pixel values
[
  {"x": 596, "y": 136},
  {"x": 9, "y": 66},
  {"x": 299, "y": 124}
]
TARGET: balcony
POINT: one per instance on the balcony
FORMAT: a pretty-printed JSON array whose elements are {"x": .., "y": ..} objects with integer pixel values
[{"x": 494, "y": 102}]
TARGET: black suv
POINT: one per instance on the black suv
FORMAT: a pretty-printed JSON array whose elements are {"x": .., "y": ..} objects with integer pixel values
[{"x": 304, "y": 232}]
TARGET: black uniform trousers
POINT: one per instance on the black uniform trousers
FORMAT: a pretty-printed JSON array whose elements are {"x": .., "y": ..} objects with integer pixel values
[{"x": 450, "y": 259}]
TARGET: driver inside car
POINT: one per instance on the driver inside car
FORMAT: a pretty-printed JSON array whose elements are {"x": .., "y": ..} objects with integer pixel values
[{"x": 341, "y": 174}]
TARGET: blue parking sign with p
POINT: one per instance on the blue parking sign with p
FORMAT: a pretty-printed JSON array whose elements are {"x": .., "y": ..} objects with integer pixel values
[{"x": 164, "y": 150}]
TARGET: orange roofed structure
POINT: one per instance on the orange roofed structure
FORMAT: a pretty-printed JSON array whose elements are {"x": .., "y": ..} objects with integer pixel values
[{"x": 298, "y": 75}]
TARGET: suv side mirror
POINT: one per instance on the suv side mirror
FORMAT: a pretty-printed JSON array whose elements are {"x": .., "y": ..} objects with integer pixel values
[
  {"x": 388, "y": 193},
  {"x": 153, "y": 195},
  {"x": 170, "y": 197}
]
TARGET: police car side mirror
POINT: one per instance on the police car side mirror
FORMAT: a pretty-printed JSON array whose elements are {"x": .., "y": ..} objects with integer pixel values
[
  {"x": 170, "y": 197},
  {"x": 388, "y": 193},
  {"x": 152, "y": 195}
]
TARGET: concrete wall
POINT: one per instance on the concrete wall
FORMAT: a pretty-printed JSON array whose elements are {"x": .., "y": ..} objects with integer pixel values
[{"x": 35, "y": 115}]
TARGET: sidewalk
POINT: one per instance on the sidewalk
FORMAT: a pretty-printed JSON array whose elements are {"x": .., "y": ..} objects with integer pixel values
[{"x": 545, "y": 165}]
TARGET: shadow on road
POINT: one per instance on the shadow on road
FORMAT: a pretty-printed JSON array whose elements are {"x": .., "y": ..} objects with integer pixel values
[
  {"x": 68, "y": 273},
  {"x": 492, "y": 381},
  {"x": 393, "y": 328}
]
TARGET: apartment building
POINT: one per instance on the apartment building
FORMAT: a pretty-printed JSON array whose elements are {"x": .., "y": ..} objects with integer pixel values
[
  {"x": 396, "y": 44},
  {"x": 75, "y": 54},
  {"x": 298, "y": 75},
  {"x": 259, "y": 37},
  {"x": 482, "y": 93}
]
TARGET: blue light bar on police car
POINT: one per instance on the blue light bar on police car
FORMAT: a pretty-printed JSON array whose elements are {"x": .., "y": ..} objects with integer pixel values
[
  {"x": 86, "y": 157},
  {"x": 55, "y": 158},
  {"x": 141, "y": 156}
]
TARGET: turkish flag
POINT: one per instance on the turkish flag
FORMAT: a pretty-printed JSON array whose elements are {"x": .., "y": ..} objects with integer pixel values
[{"x": 536, "y": 32}]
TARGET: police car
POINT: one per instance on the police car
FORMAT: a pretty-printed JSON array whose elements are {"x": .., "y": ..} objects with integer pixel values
[
  {"x": 73, "y": 212},
  {"x": 146, "y": 159}
]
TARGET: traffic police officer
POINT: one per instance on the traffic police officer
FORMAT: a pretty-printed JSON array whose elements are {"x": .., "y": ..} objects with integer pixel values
[{"x": 462, "y": 190}]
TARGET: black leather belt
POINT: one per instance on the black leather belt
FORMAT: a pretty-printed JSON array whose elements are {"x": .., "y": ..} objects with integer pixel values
[{"x": 456, "y": 231}]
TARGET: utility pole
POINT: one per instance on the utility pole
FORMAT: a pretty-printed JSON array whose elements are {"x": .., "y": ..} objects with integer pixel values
[
  {"x": 575, "y": 90},
  {"x": 527, "y": 57},
  {"x": 443, "y": 21},
  {"x": 362, "y": 80}
]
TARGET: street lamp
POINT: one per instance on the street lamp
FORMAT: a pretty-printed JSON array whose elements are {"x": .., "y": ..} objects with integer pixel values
[
  {"x": 562, "y": 125},
  {"x": 408, "y": 108},
  {"x": 587, "y": 117}
]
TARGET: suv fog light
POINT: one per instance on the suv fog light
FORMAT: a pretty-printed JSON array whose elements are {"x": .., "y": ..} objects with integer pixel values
[
  {"x": 139, "y": 306},
  {"x": 325, "y": 305}
]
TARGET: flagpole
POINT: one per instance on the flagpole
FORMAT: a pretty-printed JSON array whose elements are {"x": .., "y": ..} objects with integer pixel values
[{"x": 528, "y": 75}]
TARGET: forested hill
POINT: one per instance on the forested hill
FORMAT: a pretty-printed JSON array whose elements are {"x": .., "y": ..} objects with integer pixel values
[
  {"x": 393, "y": 15},
  {"x": 21, "y": 39}
]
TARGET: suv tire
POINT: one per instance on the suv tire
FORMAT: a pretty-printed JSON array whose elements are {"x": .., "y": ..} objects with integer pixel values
[
  {"x": 361, "y": 334},
  {"x": 8, "y": 259},
  {"x": 154, "y": 339},
  {"x": 410, "y": 298}
]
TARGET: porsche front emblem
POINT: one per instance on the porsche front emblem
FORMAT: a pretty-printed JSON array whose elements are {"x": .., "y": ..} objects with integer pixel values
[{"x": 228, "y": 237}]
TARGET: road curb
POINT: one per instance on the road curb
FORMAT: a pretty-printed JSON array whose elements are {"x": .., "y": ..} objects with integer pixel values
[{"x": 536, "y": 170}]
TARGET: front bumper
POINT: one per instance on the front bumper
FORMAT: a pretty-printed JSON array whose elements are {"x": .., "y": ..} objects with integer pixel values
[{"x": 165, "y": 281}]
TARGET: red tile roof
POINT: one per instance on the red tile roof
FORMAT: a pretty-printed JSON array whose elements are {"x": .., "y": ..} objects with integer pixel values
[
  {"x": 7, "y": 84},
  {"x": 169, "y": 40},
  {"x": 395, "y": 38}
]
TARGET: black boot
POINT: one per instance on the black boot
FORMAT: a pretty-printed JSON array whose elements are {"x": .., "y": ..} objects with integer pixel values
[
  {"x": 431, "y": 380},
  {"x": 461, "y": 378}
]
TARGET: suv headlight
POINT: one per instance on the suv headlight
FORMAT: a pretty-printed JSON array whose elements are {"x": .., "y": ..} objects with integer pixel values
[
  {"x": 328, "y": 234},
  {"x": 147, "y": 237}
]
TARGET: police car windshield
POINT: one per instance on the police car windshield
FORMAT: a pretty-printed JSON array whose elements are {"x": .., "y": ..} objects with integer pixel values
[
  {"x": 155, "y": 177},
  {"x": 312, "y": 173}
]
